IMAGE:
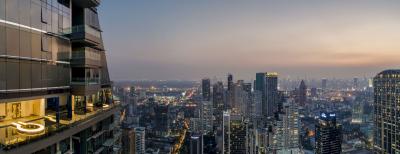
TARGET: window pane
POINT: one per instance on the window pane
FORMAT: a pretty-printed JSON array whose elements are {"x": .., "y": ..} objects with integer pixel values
[
  {"x": 44, "y": 75},
  {"x": 24, "y": 12},
  {"x": 2, "y": 39},
  {"x": 36, "y": 10},
  {"x": 11, "y": 11},
  {"x": 25, "y": 44},
  {"x": 25, "y": 75},
  {"x": 45, "y": 43},
  {"x": 36, "y": 45},
  {"x": 2, "y": 74},
  {"x": 36, "y": 74},
  {"x": 12, "y": 41},
  {"x": 44, "y": 17},
  {"x": 3, "y": 9},
  {"x": 12, "y": 74}
]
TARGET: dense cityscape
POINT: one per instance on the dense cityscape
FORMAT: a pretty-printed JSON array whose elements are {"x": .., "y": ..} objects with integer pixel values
[
  {"x": 57, "y": 97},
  {"x": 266, "y": 115}
]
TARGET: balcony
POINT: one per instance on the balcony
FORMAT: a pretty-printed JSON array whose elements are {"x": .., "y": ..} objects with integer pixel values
[
  {"x": 16, "y": 142},
  {"x": 86, "y": 35},
  {"x": 85, "y": 86},
  {"x": 86, "y": 3},
  {"x": 85, "y": 57}
]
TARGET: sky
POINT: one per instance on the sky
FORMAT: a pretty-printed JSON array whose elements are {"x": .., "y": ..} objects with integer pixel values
[{"x": 193, "y": 39}]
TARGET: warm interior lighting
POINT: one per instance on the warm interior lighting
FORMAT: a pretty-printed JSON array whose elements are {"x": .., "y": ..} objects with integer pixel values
[{"x": 28, "y": 128}]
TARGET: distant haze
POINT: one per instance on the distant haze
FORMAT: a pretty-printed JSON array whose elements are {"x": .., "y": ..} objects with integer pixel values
[{"x": 179, "y": 39}]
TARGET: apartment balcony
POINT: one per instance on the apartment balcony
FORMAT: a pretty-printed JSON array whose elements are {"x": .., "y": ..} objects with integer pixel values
[
  {"x": 86, "y": 35},
  {"x": 85, "y": 57},
  {"x": 52, "y": 132},
  {"x": 86, "y": 3},
  {"x": 85, "y": 86}
]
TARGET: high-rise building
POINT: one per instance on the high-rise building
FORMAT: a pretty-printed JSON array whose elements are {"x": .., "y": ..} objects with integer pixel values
[
  {"x": 133, "y": 140},
  {"x": 206, "y": 89},
  {"x": 235, "y": 134},
  {"x": 196, "y": 144},
  {"x": 55, "y": 91},
  {"x": 230, "y": 82},
  {"x": 140, "y": 141},
  {"x": 226, "y": 131},
  {"x": 259, "y": 85},
  {"x": 328, "y": 138},
  {"x": 230, "y": 93},
  {"x": 207, "y": 116},
  {"x": 355, "y": 84},
  {"x": 238, "y": 134},
  {"x": 271, "y": 93},
  {"x": 324, "y": 83},
  {"x": 286, "y": 130},
  {"x": 218, "y": 103},
  {"x": 302, "y": 93},
  {"x": 386, "y": 112}
]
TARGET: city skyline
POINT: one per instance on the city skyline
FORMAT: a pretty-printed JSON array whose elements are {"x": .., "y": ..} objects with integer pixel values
[{"x": 303, "y": 39}]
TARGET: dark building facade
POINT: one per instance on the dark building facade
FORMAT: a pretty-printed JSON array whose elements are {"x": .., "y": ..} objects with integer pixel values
[
  {"x": 55, "y": 91},
  {"x": 218, "y": 103},
  {"x": 259, "y": 85},
  {"x": 386, "y": 112},
  {"x": 271, "y": 94},
  {"x": 328, "y": 139},
  {"x": 302, "y": 93},
  {"x": 206, "y": 89}
]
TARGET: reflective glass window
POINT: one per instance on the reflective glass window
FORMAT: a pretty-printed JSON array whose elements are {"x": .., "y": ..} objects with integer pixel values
[
  {"x": 36, "y": 13},
  {"x": 36, "y": 45},
  {"x": 25, "y": 43},
  {"x": 25, "y": 74},
  {"x": 36, "y": 74},
  {"x": 11, "y": 11},
  {"x": 12, "y": 36},
  {"x": 24, "y": 12},
  {"x": 12, "y": 69},
  {"x": 2, "y": 74}
]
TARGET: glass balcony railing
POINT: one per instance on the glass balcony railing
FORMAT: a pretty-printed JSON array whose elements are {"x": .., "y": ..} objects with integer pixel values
[
  {"x": 85, "y": 81},
  {"x": 14, "y": 138},
  {"x": 86, "y": 53},
  {"x": 83, "y": 29}
]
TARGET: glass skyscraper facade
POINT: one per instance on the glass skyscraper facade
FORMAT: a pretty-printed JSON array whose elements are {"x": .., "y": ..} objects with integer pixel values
[
  {"x": 55, "y": 91},
  {"x": 386, "y": 112}
]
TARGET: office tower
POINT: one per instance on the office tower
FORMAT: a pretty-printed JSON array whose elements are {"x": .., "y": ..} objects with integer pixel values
[
  {"x": 161, "y": 121},
  {"x": 133, "y": 140},
  {"x": 235, "y": 134},
  {"x": 140, "y": 140},
  {"x": 195, "y": 125},
  {"x": 271, "y": 91},
  {"x": 238, "y": 134},
  {"x": 207, "y": 116},
  {"x": 357, "y": 112},
  {"x": 324, "y": 83},
  {"x": 230, "y": 82},
  {"x": 248, "y": 99},
  {"x": 259, "y": 85},
  {"x": 226, "y": 131},
  {"x": 257, "y": 104},
  {"x": 302, "y": 94},
  {"x": 55, "y": 91},
  {"x": 196, "y": 144},
  {"x": 218, "y": 103},
  {"x": 286, "y": 130},
  {"x": 206, "y": 89},
  {"x": 237, "y": 102},
  {"x": 355, "y": 84},
  {"x": 386, "y": 112},
  {"x": 328, "y": 138},
  {"x": 230, "y": 94},
  {"x": 314, "y": 92}
]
